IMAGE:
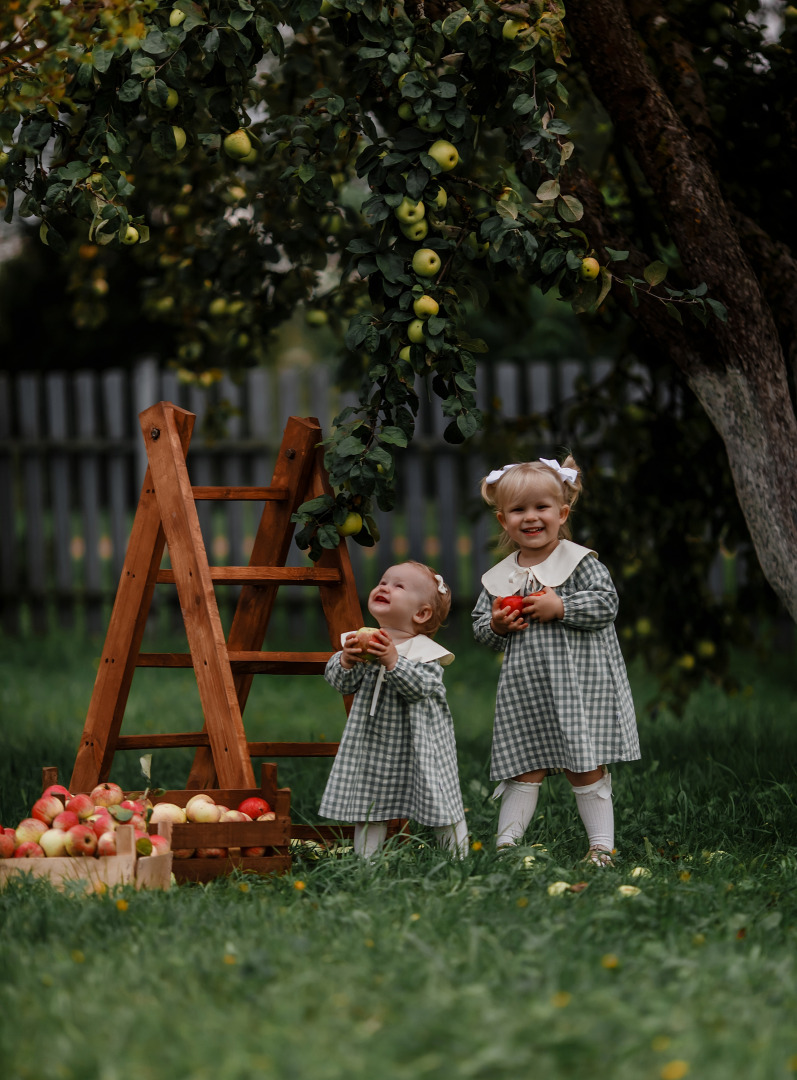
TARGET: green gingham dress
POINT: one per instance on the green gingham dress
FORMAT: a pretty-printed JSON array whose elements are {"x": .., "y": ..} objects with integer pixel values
[
  {"x": 397, "y": 756},
  {"x": 563, "y": 697}
]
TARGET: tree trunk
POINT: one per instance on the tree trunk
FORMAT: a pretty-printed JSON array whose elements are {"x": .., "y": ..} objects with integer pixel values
[{"x": 737, "y": 370}]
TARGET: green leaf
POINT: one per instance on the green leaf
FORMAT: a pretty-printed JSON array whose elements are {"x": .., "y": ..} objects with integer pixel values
[
  {"x": 548, "y": 191},
  {"x": 615, "y": 255},
  {"x": 572, "y": 210},
  {"x": 674, "y": 313},
  {"x": 719, "y": 309},
  {"x": 655, "y": 273},
  {"x": 392, "y": 266},
  {"x": 393, "y": 435}
]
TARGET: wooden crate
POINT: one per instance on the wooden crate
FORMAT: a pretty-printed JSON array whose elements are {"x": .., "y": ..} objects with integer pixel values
[
  {"x": 99, "y": 874},
  {"x": 274, "y": 836}
]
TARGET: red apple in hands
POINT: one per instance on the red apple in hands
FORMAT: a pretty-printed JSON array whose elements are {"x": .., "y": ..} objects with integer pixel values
[
  {"x": 80, "y": 840},
  {"x": 46, "y": 808},
  {"x": 514, "y": 603},
  {"x": 254, "y": 806}
]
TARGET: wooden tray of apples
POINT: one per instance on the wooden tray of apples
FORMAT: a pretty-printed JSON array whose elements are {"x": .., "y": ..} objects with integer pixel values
[
  {"x": 215, "y": 831},
  {"x": 80, "y": 853}
]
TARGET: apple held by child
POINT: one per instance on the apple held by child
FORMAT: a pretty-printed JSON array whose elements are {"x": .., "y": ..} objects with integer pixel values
[{"x": 514, "y": 603}]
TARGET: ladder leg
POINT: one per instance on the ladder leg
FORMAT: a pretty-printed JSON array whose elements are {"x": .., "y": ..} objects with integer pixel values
[
  {"x": 123, "y": 639},
  {"x": 200, "y": 611}
]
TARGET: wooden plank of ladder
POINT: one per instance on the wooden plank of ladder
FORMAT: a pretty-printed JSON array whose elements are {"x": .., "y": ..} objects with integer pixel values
[
  {"x": 292, "y": 472},
  {"x": 223, "y": 722},
  {"x": 125, "y": 633}
]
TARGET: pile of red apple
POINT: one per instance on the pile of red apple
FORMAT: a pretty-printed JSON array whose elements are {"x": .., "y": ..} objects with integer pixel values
[
  {"x": 61, "y": 824},
  {"x": 203, "y": 808}
]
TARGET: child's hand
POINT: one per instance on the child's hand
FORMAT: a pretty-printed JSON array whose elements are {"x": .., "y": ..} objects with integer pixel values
[
  {"x": 384, "y": 650},
  {"x": 545, "y": 606},
  {"x": 352, "y": 653},
  {"x": 505, "y": 620}
]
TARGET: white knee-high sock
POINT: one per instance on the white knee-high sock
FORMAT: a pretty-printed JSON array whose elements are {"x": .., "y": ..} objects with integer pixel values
[
  {"x": 518, "y": 803},
  {"x": 369, "y": 837},
  {"x": 454, "y": 837},
  {"x": 594, "y": 802}
]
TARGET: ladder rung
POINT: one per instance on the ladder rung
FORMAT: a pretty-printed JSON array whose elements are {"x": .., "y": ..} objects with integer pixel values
[
  {"x": 284, "y": 575},
  {"x": 248, "y": 663},
  {"x": 292, "y": 749},
  {"x": 162, "y": 742},
  {"x": 242, "y": 494}
]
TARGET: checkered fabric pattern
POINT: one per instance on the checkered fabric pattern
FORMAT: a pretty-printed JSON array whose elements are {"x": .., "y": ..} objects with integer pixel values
[
  {"x": 563, "y": 697},
  {"x": 401, "y": 762}
]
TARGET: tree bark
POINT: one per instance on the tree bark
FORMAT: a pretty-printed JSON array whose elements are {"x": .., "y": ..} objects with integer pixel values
[{"x": 737, "y": 370}]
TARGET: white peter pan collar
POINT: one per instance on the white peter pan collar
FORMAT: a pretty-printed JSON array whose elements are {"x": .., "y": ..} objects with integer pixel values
[
  {"x": 507, "y": 577},
  {"x": 420, "y": 649}
]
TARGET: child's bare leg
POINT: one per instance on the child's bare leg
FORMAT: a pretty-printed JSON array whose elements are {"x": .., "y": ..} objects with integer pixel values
[
  {"x": 593, "y": 792},
  {"x": 369, "y": 837},
  {"x": 518, "y": 803}
]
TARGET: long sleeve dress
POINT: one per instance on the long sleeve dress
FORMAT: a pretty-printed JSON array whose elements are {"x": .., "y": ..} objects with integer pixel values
[
  {"x": 563, "y": 698},
  {"x": 397, "y": 756}
]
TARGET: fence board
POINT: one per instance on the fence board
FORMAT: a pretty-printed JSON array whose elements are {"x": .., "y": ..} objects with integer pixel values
[{"x": 71, "y": 452}]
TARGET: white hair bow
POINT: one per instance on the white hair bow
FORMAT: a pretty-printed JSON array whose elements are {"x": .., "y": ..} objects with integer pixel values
[
  {"x": 441, "y": 585},
  {"x": 496, "y": 474},
  {"x": 569, "y": 476}
]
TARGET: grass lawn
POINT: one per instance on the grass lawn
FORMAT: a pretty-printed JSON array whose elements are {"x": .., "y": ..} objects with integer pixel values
[{"x": 416, "y": 965}]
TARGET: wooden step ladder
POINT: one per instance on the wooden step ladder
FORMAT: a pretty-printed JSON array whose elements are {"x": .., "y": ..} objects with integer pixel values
[{"x": 167, "y": 517}]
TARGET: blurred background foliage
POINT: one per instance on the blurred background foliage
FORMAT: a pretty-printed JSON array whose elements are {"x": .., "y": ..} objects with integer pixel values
[{"x": 241, "y": 255}]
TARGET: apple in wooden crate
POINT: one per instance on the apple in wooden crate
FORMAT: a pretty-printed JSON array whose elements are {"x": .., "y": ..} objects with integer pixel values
[
  {"x": 65, "y": 820},
  {"x": 7, "y": 845},
  {"x": 254, "y": 806},
  {"x": 29, "y": 830},
  {"x": 53, "y": 843},
  {"x": 82, "y": 805},
  {"x": 81, "y": 840},
  {"x": 107, "y": 794},
  {"x": 47, "y": 808},
  {"x": 59, "y": 791},
  {"x": 166, "y": 811},
  {"x": 29, "y": 849}
]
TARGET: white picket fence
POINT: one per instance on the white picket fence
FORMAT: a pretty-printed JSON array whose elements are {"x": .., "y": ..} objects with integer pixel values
[{"x": 72, "y": 461}]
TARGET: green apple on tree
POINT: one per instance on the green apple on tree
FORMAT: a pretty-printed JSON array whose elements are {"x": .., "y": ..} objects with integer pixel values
[
  {"x": 416, "y": 231},
  {"x": 404, "y": 354},
  {"x": 513, "y": 27},
  {"x": 590, "y": 268},
  {"x": 172, "y": 98},
  {"x": 425, "y": 262},
  {"x": 131, "y": 235},
  {"x": 352, "y": 524},
  {"x": 409, "y": 211},
  {"x": 425, "y": 124},
  {"x": 445, "y": 154},
  {"x": 316, "y": 317},
  {"x": 440, "y": 199},
  {"x": 176, "y": 17},
  {"x": 179, "y": 137},
  {"x": 237, "y": 145},
  {"x": 415, "y": 332},
  {"x": 405, "y": 111},
  {"x": 425, "y": 306}
]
